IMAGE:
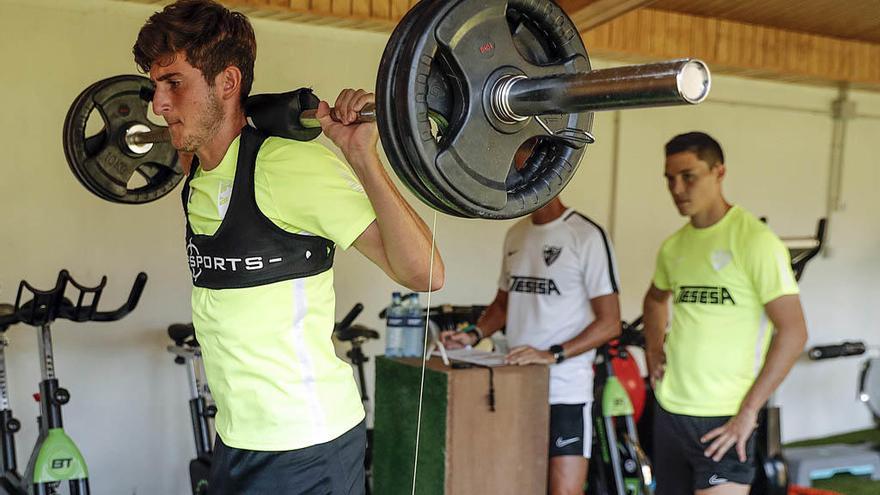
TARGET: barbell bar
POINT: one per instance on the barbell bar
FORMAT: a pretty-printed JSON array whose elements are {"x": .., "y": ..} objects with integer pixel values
[
  {"x": 463, "y": 87},
  {"x": 516, "y": 99}
]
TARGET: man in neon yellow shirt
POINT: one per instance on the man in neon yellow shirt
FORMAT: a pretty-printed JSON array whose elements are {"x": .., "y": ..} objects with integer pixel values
[
  {"x": 263, "y": 218},
  {"x": 730, "y": 282}
]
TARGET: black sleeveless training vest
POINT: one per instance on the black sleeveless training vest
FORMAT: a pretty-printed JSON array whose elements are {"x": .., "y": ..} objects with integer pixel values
[{"x": 248, "y": 249}]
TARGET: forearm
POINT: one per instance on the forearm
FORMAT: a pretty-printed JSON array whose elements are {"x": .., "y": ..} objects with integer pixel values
[
  {"x": 493, "y": 318},
  {"x": 597, "y": 333},
  {"x": 656, "y": 318},
  {"x": 785, "y": 348},
  {"x": 406, "y": 238}
]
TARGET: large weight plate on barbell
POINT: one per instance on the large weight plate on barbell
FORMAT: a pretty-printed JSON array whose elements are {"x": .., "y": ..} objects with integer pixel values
[
  {"x": 102, "y": 162},
  {"x": 463, "y": 47}
]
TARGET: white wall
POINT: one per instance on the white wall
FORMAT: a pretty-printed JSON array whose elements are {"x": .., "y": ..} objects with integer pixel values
[{"x": 128, "y": 412}]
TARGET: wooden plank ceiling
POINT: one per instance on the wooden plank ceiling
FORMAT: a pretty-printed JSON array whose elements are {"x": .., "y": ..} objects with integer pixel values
[
  {"x": 815, "y": 41},
  {"x": 846, "y": 19}
]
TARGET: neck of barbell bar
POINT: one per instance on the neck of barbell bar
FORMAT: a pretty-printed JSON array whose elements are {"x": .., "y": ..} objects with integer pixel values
[
  {"x": 160, "y": 135},
  {"x": 309, "y": 118},
  {"x": 677, "y": 82}
]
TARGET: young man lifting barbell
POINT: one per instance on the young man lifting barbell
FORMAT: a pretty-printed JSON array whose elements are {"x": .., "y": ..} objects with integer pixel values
[{"x": 264, "y": 216}]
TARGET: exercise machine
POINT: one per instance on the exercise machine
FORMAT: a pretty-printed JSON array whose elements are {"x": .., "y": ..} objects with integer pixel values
[
  {"x": 824, "y": 461},
  {"x": 357, "y": 336},
  {"x": 55, "y": 457},
  {"x": 201, "y": 408},
  {"x": 619, "y": 465}
]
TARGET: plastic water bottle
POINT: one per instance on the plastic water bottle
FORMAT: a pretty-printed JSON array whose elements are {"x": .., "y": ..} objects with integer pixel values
[
  {"x": 394, "y": 320},
  {"x": 407, "y": 331},
  {"x": 414, "y": 331}
]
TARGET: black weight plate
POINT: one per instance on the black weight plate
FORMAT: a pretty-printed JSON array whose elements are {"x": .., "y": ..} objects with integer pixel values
[
  {"x": 102, "y": 162},
  {"x": 475, "y": 168},
  {"x": 107, "y": 164},
  {"x": 470, "y": 42},
  {"x": 387, "y": 100},
  {"x": 94, "y": 145}
]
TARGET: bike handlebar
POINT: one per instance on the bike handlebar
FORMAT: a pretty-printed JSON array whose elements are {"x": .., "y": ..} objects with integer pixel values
[
  {"x": 133, "y": 298},
  {"x": 48, "y": 305},
  {"x": 837, "y": 350}
]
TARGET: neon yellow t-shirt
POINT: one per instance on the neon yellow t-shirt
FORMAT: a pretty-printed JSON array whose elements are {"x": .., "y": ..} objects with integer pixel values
[
  {"x": 720, "y": 278},
  {"x": 268, "y": 353}
]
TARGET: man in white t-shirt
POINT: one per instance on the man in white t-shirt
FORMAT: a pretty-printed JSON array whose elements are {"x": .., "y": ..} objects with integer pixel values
[{"x": 557, "y": 296}]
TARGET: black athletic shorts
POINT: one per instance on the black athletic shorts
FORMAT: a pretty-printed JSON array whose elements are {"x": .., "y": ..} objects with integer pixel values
[
  {"x": 571, "y": 430},
  {"x": 332, "y": 468},
  {"x": 679, "y": 464}
]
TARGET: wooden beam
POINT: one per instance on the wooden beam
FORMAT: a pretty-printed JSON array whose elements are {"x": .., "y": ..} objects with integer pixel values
[
  {"x": 739, "y": 48},
  {"x": 588, "y": 14}
]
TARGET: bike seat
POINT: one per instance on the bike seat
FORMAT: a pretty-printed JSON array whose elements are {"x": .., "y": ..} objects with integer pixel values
[
  {"x": 6, "y": 310},
  {"x": 181, "y": 332},
  {"x": 356, "y": 331}
]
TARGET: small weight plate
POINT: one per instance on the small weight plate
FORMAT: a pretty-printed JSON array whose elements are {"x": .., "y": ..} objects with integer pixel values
[{"x": 103, "y": 162}]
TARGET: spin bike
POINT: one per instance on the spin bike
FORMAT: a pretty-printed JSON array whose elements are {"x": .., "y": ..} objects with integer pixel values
[
  {"x": 202, "y": 410},
  {"x": 619, "y": 465},
  {"x": 356, "y": 336},
  {"x": 55, "y": 457}
]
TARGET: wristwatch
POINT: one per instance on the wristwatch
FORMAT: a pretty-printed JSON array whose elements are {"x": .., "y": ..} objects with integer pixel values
[
  {"x": 558, "y": 353},
  {"x": 476, "y": 331}
]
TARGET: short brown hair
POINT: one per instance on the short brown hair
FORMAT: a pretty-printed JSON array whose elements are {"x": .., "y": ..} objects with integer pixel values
[{"x": 212, "y": 37}]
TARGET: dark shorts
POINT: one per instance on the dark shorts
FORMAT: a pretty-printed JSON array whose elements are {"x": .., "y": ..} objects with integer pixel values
[
  {"x": 679, "y": 464},
  {"x": 332, "y": 468},
  {"x": 570, "y": 430}
]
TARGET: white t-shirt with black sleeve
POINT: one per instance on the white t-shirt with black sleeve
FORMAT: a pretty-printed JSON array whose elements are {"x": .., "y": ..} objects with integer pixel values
[{"x": 551, "y": 272}]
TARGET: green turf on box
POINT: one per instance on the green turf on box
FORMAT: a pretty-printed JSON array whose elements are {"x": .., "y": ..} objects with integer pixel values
[{"x": 394, "y": 435}]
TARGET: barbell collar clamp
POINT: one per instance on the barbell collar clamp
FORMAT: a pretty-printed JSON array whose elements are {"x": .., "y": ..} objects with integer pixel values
[{"x": 501, "y": 100}]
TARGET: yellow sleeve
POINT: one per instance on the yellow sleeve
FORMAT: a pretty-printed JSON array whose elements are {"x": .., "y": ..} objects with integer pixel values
[
  {"x": 768, "y": 264},
  {"x": 661, "y": 277},
  {"x": 310, "y": 190}
]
